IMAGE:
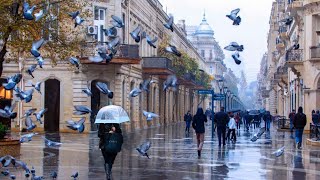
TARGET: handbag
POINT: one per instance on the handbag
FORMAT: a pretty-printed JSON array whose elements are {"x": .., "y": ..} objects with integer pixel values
[{"x": 114, "y": 143}]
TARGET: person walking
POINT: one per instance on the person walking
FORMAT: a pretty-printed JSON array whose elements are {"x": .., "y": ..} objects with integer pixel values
[
  {"x": 315, "y": 117},
  {"x": 222, "y": 120},
  {"x": 232, "y": 128},
  {"x": 299, "y": 122},
  {"x": 105, "y": 132},
  {"x": 267, "y": 119},
  {"x": 188, "y": 119},
  {"x": 237, "y": 118},
  {"x": 198, "y": 125},
  {"x": 291, "y": 116}
]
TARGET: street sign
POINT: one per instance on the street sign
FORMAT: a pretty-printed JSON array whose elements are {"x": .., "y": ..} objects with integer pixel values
[{"x": 205, "y": 91}]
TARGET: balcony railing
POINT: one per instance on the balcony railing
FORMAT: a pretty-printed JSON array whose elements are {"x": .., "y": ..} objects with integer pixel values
[
  {"x": 157, "y": 65},
  {"x": 294, "y": 55},
  {"x": 315, "y": 52},
  {"x": 126, "y": 53},
  {"x": 283, "y": 29}
]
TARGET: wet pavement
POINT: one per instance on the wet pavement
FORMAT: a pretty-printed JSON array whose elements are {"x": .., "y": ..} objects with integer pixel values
[{"x": 173, "y": 156}]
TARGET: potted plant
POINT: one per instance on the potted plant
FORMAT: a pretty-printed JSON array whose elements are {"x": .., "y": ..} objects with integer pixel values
[{"x": 3, "y": 130}]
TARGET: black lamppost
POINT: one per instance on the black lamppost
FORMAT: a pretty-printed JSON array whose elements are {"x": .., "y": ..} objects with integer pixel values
[
  {"x": 225, "y": 90},
  {"x": 228, "y": 94},
  {"x": 220, "y": 84}
]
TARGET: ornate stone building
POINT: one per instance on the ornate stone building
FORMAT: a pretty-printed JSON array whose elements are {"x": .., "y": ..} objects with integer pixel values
[
  {"x": 293, "y": 72},
  {"x": 62, "y": 84},
  {"x": 202, "y": 38}
]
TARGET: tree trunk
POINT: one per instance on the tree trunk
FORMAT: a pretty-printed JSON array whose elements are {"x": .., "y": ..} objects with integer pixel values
[{"x": 4, "y": 51}]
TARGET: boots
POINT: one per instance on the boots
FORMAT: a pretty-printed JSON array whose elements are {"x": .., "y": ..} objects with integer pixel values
[{"x": 107, "y": 168}]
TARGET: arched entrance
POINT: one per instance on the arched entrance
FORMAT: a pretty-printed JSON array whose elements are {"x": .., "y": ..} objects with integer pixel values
[
  {"x": 52, "y": 102},
  {"x": 98, "y": 100}
]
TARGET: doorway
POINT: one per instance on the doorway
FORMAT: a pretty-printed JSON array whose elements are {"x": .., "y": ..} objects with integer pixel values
[{"x": 52, "y": 102}]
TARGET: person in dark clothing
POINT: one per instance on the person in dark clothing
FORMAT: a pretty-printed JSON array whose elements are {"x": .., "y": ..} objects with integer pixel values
[
  {"x": 299, "y": 122},
  {"x": 267, "y": 119},
  {"x": 222, "y": 120},
  {"x": 188, "y": 119},
  {"x": 104, "y": 133},
  {"x": 247, "y": 119},
  {"x": 315, "y": 117},
  {"x": 291, "y": 116},
  {"x": 238, "y": 120},
  {"x": 198, "y": 125}
]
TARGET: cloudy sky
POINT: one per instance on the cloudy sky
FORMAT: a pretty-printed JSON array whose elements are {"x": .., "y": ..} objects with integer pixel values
[{"x": 252, "y": 32}]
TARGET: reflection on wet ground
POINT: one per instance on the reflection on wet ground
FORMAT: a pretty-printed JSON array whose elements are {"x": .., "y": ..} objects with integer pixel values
[{"x": 174, "y": 156}]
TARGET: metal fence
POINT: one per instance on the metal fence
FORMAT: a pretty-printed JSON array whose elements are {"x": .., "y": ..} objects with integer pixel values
[
  {"x": 157, "y": 62},
  {"x": 294, "y": 55}
]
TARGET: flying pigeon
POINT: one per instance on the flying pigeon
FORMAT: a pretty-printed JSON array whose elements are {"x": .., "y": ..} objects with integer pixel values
[
  {"x": 27, "y": 137},
  {"x": 29, "y": 112},
  {"x": 40, "y": 114},
  {"x": 135, "y": 92},
  {"x": 74, "y": 61},
  {"x": 234, "y": 16},
  {"x": 6, "y": 172},
  {"x": 151, "y": 41},
  {"x": 261, "y": 131},
  {"x": 111, "y": 32},
  {"x": 12, "y": 81},
  {"x": 27, "y": 174},
  {"x": 29, "y": 123},
  {"x": 146, "y": 85},
  {"x": 50, "y": 143},
  {"x": 103, "y": 55},
  {"x": 7, "y": 112},
  {"x": 40, "y": 61},
  {"x": 33, "y": 171},
  {"x": 36, "y": 45},
  {"x": 236, "y": 58},
  {"x": 27, "y": 11},
  {"x": 87, "y": 91},
  {"x": 279, "y": 152},
  {"x": 78, "y": 21},
  {"x": 12, "y": 176},
  {"x": 24, "y": 95},
  {"x": 37, "y": 87},
  {"x": 80, "y": 110},
  {"x": 117, "y": 22},
  {"x": 172, "y": 49},
  {"x": 113, "y": 44},
  {"x": 39, "y": 15},
  {"x": 144, "y": 148},
  {"x": 169, "y": 24},
  {"x": 77, "y": 126},
  {"x": 21, "y": 164},
  {"x": 170, "y": 82},
  {"x": 233, "y": 46},
  {"x": 75, "y": 175},
  {"x": 7, "y": 160},
  {"x": 73, "y": 15},
  {"x": 103, "y": 88},
  {"x": 54, "y": 175},
  {"x": 135, "y": 34},
  {"x": 34, "y": 177},
  {"x": 31, "y": 69},
  {"x": 258, "y": 134},
  {"x": 287, "y": 21},
  {"x": 150, "y": 115}
]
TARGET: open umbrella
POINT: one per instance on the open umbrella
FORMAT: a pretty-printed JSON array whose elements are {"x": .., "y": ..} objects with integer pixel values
[{"x": 111, "y": 114}]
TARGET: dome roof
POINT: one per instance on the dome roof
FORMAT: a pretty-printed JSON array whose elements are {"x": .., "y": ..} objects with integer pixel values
[{"x": 204, "y": 28}]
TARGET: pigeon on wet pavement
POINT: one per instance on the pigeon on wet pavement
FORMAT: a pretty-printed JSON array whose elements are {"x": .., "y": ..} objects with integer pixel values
[{"x": 143, "y": 148}]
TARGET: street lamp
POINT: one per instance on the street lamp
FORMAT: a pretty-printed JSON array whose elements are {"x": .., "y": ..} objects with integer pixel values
[
  {"x": 220, "y": 85},
  {"x": 225, "y": 89},
  {"x": 228, "y": 93}
]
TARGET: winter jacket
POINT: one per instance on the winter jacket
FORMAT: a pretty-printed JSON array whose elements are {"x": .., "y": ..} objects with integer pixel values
[
  {"x": 222, "y": 119},
  {"x": 187, "y": 117},
  {"x": 198, "y": 123},
  {"x": 299, "y": 121},
  {"x": 315, "y": 118},
  {"x": 232, "y": 124},
  {"x": 103, "y": 133}
]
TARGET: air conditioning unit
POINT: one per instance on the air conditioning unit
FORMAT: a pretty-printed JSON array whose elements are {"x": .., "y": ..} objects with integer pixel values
[{"x": 92, "y": 30}]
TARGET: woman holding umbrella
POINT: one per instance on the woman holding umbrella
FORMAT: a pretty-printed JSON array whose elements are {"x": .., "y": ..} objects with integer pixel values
[{"x": 110, "y": 134}]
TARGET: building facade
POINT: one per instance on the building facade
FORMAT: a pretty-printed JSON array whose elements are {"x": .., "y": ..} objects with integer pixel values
[
  {"x": 293, "y": 73},
  {"x": 202, "y": 38}
]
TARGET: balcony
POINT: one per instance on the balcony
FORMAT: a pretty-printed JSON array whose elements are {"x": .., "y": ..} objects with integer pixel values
[
  {"x": 126, "y": 54},
  {"x": 294, "y": 55},
  {"x": 294, "y": 6},
  {"x": 161, "y": 66},
  {"x": 279, "y": 44}
]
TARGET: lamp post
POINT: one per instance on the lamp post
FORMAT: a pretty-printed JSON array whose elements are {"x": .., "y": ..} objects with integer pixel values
[
  {"x": 220, "y": 84},
  {"x": 228, "y": 94},
  {"x": 225, "y": 89}
]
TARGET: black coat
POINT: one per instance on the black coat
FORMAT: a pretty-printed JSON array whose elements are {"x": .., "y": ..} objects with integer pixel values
[
  {"x": 299, "y": 121},
  {"x": 187, "y": 117},
  {"x": 222, "y": 119},
  {"x": 198, "y": 123},
  {"x": 103, "y": 133}
]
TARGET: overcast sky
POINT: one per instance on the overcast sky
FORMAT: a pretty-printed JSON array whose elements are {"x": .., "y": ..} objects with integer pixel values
[{"x": 252, "y": 32}]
